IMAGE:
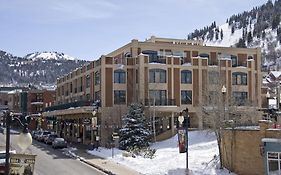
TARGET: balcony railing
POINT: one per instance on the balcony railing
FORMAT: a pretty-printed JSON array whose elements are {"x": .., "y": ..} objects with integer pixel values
[
  {"x": 162, "y": 102},
  {"x": 69, "y": 105}
]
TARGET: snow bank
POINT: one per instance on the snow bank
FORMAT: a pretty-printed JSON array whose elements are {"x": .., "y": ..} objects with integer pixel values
[{"x": 203, "y": 156}]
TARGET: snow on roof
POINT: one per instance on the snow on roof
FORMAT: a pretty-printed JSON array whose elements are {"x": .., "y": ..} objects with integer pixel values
[
  {"x": 271, "y": 140},
  {"x": 276, "y": 74}
]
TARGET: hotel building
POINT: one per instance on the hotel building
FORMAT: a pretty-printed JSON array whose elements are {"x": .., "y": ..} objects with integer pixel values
[{"x": 165, "y": 75}]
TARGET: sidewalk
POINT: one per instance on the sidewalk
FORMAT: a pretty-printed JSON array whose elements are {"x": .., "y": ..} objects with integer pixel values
[{"x": 104, "y": 165}]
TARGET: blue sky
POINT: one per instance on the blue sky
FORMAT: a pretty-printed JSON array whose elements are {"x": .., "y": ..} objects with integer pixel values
[{"x": 86, "y": 29}]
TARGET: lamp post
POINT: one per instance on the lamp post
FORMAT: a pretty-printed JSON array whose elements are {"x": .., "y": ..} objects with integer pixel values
[
  {"x": 181, "y": 118},
  {"x": 267, "y": 99},
  {"x": 223, "y": 90},
  {"x": 24, "y": 139}
]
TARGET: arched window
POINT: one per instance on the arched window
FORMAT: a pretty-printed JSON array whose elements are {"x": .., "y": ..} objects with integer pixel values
[
  {"x": 119, "y": 76},
  {"x": 157, "y": 76},
  {"x": 239, "y": 78},
  {"x": 186, "y": 77}
]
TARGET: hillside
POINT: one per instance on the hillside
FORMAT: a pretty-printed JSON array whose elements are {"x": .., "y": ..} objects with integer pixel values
[
  {"x": 39, "y": 69},
  {"x": 259, "y": 27}
]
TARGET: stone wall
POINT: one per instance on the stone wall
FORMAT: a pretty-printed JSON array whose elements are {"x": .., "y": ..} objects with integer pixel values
[{"x": 241, "y": 148}]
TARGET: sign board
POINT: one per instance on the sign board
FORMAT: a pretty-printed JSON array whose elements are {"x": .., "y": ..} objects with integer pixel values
[
  {"x": 22, "y": 164},
  {"x": 86, "y": 121},
  {"x": 94, "y": 122},
  {"x": 181, "y": 140}
]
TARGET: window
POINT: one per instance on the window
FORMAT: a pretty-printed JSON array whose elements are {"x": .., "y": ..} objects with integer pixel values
[
  {"x": 178, "y": 53},
  {"x": 97, "y": 96},
  {"x": 119, "y": 76},
  {"x": 153, "y": 57},
  {"x": 239, "y": 78},
  {"x": 234, "y": 60},
  {"x": 119, "y": 97},
  {"x": 159, "y": 96},
  {"x": 157, "y": 76},
  {"x": 213, "y": 77},
  {"x": 274, "y": 163},
  {"x": 81, "y": 83},
  {"x": 71, "y": 87},
  {"x": 186, "y": 77},
  {"x": 240, "y": 98},
  {"x": 186, "y": 97},
  {"x": 97, "y": 78},
  {"x": 88, "y": 81}
]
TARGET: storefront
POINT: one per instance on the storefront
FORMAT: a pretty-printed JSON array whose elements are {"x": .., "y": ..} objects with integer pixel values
[{"x": 75, "y": 125}]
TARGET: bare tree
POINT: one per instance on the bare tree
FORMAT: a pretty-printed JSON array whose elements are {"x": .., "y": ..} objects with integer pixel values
[{"x": 219, "y": 110}]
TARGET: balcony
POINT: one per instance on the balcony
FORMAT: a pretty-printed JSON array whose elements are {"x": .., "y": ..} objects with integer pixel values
[
  {"x": 69, "y": 105},
  {"x": 162, "y": 102}
]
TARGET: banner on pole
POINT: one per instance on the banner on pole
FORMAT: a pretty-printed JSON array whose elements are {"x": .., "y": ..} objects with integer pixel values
[{"x": 181, "y": 140}]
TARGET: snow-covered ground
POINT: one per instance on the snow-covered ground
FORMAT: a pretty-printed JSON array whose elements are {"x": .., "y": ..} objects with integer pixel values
[{"x": 202, "y": 152}]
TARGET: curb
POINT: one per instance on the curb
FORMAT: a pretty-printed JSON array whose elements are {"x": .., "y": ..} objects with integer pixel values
[
  {"x": 91, "y": 164},
  {"x": 97, "y": 167}
]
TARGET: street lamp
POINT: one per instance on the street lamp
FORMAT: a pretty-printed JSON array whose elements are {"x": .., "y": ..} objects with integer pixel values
[
  {"x": 268, "y": 107},
  {"x": 181, "y": 118},
  {"x": 24, "y": 139},
  {"x": 223, "y": 90}
]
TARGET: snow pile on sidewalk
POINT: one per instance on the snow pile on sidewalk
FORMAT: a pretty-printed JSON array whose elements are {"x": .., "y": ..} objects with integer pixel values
[{"x": 203, "y": 157}]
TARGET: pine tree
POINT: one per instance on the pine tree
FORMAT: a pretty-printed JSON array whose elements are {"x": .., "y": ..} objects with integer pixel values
[
  {"x": 221, "y": 34},
  {"x": 217, "y": 35},
  {"x": 232, "y": 29},
  {"x": 241, "y": 43},
  {"x": 249, "y": 37},
  {"x": 135, "y": 131}
]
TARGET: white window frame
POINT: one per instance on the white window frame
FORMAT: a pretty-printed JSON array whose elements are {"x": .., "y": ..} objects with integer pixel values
[{"x": 278, "y": 160}]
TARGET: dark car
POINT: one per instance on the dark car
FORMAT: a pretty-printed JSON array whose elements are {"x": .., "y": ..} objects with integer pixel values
[
  {"x": 50, "y": 138},
  {"x": 59, "y": 143}
]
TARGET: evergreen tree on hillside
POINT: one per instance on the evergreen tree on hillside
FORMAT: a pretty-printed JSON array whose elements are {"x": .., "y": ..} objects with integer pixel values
[
  {"x": 275, "y": 21},
  {"x": 249, "y": 38},
  {"x": 241, "y": 43},
  {"x": 232, "y": 29},
  {"x": 221, "y": 34},
  {"x": 135, "y": 131}
]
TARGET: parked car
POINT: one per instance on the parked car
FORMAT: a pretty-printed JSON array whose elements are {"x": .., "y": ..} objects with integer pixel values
[
  {"x": 3, "y": 160},
  {"x": 36, "y": 134},
  {"x": 59, "y": 143},
  {"x": 42, "y": 136},
  {"x": 50, "y": 138}
]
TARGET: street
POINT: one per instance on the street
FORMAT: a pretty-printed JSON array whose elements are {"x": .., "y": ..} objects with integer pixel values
[{"x": 50, "y": 161}]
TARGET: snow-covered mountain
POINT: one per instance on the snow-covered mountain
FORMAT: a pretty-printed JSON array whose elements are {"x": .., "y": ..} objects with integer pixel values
[
  {"x": 259, "y": 27},
  {"x": 38, "y": 69},
  {"x": 49, "y": 56}
]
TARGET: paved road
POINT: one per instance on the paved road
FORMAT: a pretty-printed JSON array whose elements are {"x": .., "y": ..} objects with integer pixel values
[{"x": 53, "y": 162}]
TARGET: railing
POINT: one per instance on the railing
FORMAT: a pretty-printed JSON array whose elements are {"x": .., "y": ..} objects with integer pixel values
[
  {"x": 69, "y": 105},
  {"x": 162, "y": 102}
]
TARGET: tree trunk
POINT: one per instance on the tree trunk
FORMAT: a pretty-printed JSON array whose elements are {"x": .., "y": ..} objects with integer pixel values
[{"x": 219, "y": 145}]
